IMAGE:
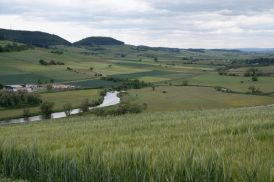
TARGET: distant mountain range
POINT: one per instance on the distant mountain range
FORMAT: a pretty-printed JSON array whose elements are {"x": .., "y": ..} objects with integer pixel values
[
  {"x": 256, "y": 49},
  {"x": 42, "y": 39}
]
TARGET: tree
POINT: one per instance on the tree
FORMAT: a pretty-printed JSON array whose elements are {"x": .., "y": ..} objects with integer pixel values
[
  {"x": 39, "y": 82},
  {"x": 153, "y": 87},
  {"x": 1, "y": 86},
  {"x": 49, "y": 87},
  {"x": 47, "y": 109},
  {"x": 67, "y": 109},
  {"x": 91, "y": 68},
  {"x": 26, "y": 113},
  {"x": 109, "y": 65},
  {"x": 254, "y": 78},
  {"x": 156, "y": 59},
  {"x": 85, "y": 105},
  {"x": 254, "y": 90},
  {"x": 43, "y": 62}
]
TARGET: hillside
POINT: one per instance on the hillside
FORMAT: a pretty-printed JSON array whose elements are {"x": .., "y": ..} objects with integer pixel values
[
  {"x": 92, "y": 41},
  {"x": 40, "y": 39},
  {"x": 216, "y": 145}
]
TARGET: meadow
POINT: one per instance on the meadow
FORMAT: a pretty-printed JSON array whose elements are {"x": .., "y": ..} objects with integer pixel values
[
  {"x": 59, "y": 99},
  {"x": 209, "y": 145},
  {"x": 175, "y": 98}
]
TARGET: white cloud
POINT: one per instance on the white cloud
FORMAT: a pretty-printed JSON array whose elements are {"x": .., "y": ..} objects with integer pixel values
[{"x": 177, "y": 23}]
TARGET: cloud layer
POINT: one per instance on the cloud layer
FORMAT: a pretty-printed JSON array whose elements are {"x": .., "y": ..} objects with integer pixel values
[{"x": 177, "y": 23}]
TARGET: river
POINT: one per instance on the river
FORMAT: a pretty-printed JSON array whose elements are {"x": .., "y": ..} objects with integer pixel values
[{"x": 110, "y": 99}]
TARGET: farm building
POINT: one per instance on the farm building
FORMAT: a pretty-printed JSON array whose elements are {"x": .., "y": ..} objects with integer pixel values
[{"x": 17, "y": 88}]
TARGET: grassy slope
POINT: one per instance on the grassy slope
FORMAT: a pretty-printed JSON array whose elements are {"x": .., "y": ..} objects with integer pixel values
[
  {"x": 189, "y": 98},
  {"x": 59, "y": 98},
  {"x": 228, "y": 145}
]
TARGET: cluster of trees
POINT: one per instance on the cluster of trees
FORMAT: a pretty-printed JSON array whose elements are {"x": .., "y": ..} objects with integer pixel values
[
  {"x": 56, "y": 52},
  {"x": 13, "y": 47},
  {"x": 254, "y": 90},
  {"x": 121, "y": 109},
  {"x": 40, "y": 82},
  {"x": 51, "y": 62},
  {"x": 126, "y": 83},
  {"x": 17, "y": 99}
]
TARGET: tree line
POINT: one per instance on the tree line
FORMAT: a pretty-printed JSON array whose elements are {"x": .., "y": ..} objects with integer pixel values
[
  {"x": 17, "y": 99},
  {"x": 125, "y": 84},
  {"x": 51, "y": 62},
  {"x": 13, "y": 47}
]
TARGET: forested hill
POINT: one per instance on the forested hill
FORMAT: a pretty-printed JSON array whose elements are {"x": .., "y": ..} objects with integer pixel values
[
  {"x": 40, "y": 39},
  {"x": 91, "y": 41}
]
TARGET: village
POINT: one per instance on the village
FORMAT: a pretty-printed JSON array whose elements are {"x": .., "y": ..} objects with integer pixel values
[{"x": 34, "y": 87}]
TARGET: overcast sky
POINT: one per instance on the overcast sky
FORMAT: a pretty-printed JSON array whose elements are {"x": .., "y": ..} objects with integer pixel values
[{"x": 168, "y": 23}]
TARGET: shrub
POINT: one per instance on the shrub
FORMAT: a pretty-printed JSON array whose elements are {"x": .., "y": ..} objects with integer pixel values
[{"x": 185, "y": 83}]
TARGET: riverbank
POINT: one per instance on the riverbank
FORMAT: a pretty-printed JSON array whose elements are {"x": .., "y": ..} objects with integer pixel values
[
  {"x": 72, "y": 97},
  {"x": 110, "y": 99}
]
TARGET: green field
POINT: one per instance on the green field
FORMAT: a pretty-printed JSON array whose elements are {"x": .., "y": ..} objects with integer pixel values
[
  {"x": 199, "y": 68},
  {"x": 235, "y": 83},
  {"x": 58, "y": 98},
  {"x": 216, "y": 145},
  {"x": 191, "y": 98}
]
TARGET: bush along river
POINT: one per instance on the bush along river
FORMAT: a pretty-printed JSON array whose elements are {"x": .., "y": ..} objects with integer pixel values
[{"x": 110, "y": 99}]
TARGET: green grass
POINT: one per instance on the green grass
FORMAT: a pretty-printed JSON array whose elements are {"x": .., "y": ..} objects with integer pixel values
[
  {"x": 217, "y": 145},
  {"x": 58, "y": 98},
  {"x": 191, "y": 98},
  {"x": 233, "y": 82}
]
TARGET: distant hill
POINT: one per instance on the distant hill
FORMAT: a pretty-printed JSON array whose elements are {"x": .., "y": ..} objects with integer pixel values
[
  {"x": 36, "y": 38},
  {"x": 167, "y": 49},
  {"x": 257, "y": 49},
  {"x": 91, "y": 41}
]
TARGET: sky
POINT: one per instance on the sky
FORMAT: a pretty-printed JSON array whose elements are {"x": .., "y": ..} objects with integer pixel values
[{"x": 165, "y": 23}]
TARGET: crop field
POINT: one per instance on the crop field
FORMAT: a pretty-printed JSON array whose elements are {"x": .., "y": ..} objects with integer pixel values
[
  {"x": 174, "y": 98},
  {"x": 215, "y": 145},
  {"x": 58, "y": 98}
]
